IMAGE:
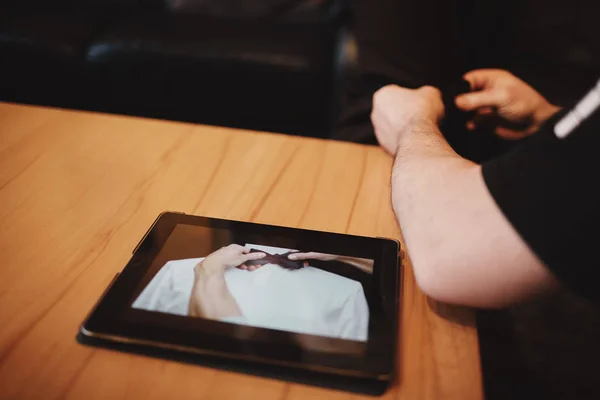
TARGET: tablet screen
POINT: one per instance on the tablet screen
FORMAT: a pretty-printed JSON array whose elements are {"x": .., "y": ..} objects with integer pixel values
[
  {"x": 203, "y": 272},
  {"x": 259, "y": 292}
]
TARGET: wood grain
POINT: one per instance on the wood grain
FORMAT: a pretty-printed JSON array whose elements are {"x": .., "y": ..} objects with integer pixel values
[{"x": 77, "y": 191}]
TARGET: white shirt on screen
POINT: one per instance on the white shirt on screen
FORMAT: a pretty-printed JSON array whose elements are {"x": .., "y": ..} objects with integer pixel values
[{"x": 308, "y": 300}]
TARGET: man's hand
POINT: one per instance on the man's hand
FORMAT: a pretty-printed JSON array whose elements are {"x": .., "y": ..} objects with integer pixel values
[
  {"x": 311, "y": 255},
  {"x": 210, "y": 297},
  {"x": 227, "y": 257},
  {"x": 500, "y": 98},
  {"x": 363, "y": 264},
  {"x": 396, "y": 110}
]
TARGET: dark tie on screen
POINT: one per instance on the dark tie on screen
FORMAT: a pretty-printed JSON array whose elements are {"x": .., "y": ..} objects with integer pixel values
[{"x": 280, "y": 259}]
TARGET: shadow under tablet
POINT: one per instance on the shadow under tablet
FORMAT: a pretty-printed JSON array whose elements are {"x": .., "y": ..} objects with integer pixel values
[{"x": 329, "y": 381}]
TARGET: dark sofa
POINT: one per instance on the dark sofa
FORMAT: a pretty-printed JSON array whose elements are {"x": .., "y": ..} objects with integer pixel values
[{"x": 276, "y": 72}]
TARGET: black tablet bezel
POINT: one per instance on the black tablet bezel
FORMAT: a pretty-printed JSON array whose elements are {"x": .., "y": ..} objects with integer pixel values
[{"x": 262, "y": 345}]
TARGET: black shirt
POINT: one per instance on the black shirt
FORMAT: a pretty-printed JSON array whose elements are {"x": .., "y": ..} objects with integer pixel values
[{"x": 549, "y": 189}]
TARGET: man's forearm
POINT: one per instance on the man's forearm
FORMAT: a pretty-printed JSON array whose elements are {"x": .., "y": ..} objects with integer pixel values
[
  {"x": 423, "y": 140},
  {"x": 426, "y": 183},
  {"x": 211, "y": 297},
  {"x": 462, "y": 248},
  {"x": 361, "y": 263}
]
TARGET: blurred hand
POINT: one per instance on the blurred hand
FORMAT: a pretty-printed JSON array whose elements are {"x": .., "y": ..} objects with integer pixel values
[
  {"x": 311, "y": 255},
  {"x": 227, "y": 257},
  {"x": 501, "y": 99},
  {"x": 397, "y": 110}
]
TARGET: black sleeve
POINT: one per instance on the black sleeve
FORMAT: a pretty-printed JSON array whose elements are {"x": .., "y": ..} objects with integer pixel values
[{"x": 549, "y": 189}]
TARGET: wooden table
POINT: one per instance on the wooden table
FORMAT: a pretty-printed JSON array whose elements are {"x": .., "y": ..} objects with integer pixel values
[{"x": 78, "y": 190}]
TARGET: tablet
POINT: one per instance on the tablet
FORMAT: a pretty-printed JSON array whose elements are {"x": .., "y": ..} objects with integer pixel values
[{"x": 308, "y": 300}]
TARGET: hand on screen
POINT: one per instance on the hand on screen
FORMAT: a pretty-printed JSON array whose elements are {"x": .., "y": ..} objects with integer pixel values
[
  {"x": 363, "y": 264},
  {"x": 228, "y": 257},
  {"x": 311, "y": 255}
]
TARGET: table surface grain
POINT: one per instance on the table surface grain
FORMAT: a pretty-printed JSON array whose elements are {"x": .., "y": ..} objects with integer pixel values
[{"x": 78, "y": 190}]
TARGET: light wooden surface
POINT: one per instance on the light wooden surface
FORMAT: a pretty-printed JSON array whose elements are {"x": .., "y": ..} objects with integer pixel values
[{"x": 77, "y": 191}]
